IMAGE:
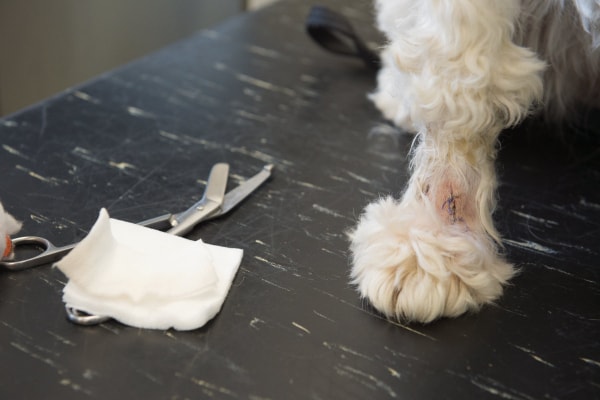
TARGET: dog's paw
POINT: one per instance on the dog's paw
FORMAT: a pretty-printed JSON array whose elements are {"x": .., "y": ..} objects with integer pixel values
[{"x": 412, "y": 265}]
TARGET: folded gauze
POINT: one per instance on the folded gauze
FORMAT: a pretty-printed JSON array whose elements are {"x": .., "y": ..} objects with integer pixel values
[{"x": 147, "y": 278}]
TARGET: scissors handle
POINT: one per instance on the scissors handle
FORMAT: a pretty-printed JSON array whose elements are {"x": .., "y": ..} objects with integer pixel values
[
  {"x": 82, "y": 318},
  {"x": 49, "y": 253},
  {"x": 211, "y": 202}
]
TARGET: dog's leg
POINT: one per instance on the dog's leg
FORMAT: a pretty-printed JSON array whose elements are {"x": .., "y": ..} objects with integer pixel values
[
  {"x": 434, "y": 252},
  {"x": 390, "y": 83}
]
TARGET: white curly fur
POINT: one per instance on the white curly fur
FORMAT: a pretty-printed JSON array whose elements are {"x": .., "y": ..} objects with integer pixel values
[
  {"x": 8, "y": 226},
  {"x": 456, "y": 73}
]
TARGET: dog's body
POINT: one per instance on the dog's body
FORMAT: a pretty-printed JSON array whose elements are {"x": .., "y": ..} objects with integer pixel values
[{"x": 458, "y": 72}]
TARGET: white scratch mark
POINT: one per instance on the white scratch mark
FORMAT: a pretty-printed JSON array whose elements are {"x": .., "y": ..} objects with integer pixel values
[
  {"x": 207, "y": 144},
  {"x": 528, "y": 217},
  {"x": 535, "y": 356},
  {"x": 139, "y": 182},
  {"x": 303, "y": 329},
  {"x": 339, "y": 178},
  {"x": 251, "y": 116},
  {"x": 15, "y": 330},
  {"x": 323, "y": 316},
  {"x": 345, "y": 349},
  {"x": 74, "y": 386},
  {"x": 252, "y": 93},
  {"x": 351, "y": 372},
  {"x": 86, "y": 97},
  {"x": 586, "y": 203},
  {"x": 85, "y": 154},
  {"x": 261, "y": 51},
  {"x": 50, "y": 180},
  {"x": 328, "y": 211},
  {"x": 40, "y": 219},
  {"x": 496, "y": 392},
  {"x": 274, "y": 284},
  {"x": 14, "y": 151},
  {"x": 590, "y": 361},
  {"x": 61, "y": 339},
  {"x": 213, "y": 388},
  {"x": 310, "y": 93},
  {"x": 258, "y": 155},
  {"x": 308, "y": 78},
  {"x": 148, "y": 376},
  {"x": 169, "y": 135},
  {"x": 358, "y": 177},
  {"x": 529, "y": 245},
  {"x": 169, "y": 334},
  {"x": 265, "y": 85},
  {"x": 309, "y": 185},
  {"x": 255, "y": 321},
  {"x": 33, "y": 355},
  {"x": 255, "y": 397},
  {"x": 333, "y": 253},
  {"x": 271, "y": 263},
  {"x": 304, "y": 218},
  {"x": 89, "y": 374},
  {"x": 9, "y": 124},
  {"x": 138, "y": 112},
  {"x": 541, "y": 360},
  {"x": 367, "y": 193},
  {"x": 121, "y": 165},
  {"x": 573, "y": 246},
  {"x": 393, "y": 372},
  {"x": 565, "y": 211},
  {"x": 568, "y": 273},
  {"x": 260, "y": 242}
]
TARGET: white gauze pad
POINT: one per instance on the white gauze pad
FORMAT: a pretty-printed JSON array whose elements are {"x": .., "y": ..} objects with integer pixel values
[{"x": 147, "y": 278}]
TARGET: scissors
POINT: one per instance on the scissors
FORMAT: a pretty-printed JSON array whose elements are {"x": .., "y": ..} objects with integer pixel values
[{"x": 214, "y": 203}]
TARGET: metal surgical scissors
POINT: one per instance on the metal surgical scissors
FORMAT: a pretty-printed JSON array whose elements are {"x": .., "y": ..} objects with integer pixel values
[{"x": 214, "y": 203}]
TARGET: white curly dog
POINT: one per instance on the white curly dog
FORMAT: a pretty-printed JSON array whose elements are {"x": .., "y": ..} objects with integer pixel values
[{"x": 456, "y": 73}]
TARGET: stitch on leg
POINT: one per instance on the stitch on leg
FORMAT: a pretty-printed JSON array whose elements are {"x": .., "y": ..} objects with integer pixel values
[{"x": 450, "y": 207}]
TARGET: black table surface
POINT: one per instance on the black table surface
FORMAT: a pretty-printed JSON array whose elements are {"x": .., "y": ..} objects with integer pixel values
[{"x": 140, "y": 141}]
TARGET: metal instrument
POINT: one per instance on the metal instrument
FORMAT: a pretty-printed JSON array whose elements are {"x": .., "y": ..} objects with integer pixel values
[{"x": 214, "y": 203}]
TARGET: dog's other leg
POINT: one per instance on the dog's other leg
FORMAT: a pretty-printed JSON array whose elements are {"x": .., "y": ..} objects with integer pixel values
[
  {"x": 390, "y": 83},
  {"x": 434, "y": 253}
]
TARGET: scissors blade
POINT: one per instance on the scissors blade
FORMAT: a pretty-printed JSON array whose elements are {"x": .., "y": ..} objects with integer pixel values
[
  {"x": 217, "y": 183},
  {"x": 231, "y": 200},
  {"x": 211, "y": 202},
  {"x": 237, "y": 195}
]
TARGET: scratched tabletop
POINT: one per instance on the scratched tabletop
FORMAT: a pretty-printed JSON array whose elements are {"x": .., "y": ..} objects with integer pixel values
[{"x": 140, "y": 141}]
